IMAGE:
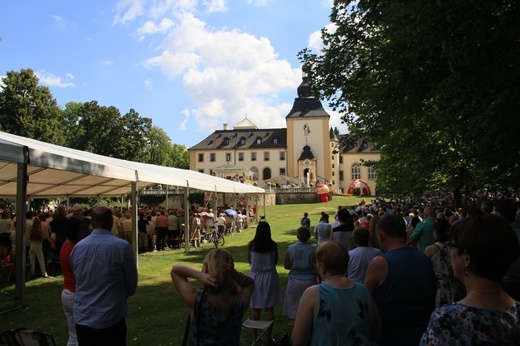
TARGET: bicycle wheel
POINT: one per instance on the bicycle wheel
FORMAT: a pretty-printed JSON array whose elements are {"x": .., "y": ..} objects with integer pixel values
[{"x": 221, "y": 240}]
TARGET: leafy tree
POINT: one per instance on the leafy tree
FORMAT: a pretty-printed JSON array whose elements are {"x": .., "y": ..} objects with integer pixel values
[
  {"x": 179, "y": 156},
  {"x": 158, "y": 147},
  {"x": 97, "y": 129},
  {"x": 27, "y": 109},
  {"x": 434, "y": 84},
  {"x": 134, "y": 133},
  {"x": 102, "y": 130}
]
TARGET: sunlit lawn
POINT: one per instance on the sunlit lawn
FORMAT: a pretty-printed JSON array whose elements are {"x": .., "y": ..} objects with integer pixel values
[{"x": 158, "y": 316}]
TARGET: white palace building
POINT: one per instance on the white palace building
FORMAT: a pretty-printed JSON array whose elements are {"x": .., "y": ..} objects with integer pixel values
[{"x": 304, "y": 153}]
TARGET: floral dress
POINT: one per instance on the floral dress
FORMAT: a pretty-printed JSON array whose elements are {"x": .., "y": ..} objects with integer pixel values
[{"x": 459, "y": 324}]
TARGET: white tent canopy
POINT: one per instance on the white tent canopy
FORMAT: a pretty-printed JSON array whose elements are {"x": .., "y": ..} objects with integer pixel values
[
  {"x": 34, "y": 169},
  {"x": 56, "y": 171}
]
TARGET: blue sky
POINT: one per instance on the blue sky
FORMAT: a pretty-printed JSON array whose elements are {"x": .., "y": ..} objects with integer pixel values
[{"x": 189, "y": 65}]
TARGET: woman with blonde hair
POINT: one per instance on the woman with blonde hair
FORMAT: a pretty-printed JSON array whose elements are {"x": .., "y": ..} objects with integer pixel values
[
  {"x": 36, "y": 247},
  {"x": 216, "y": 311}
]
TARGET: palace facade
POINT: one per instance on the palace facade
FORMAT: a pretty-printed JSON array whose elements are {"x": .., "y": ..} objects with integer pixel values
[{"x": 304, "y": 153}]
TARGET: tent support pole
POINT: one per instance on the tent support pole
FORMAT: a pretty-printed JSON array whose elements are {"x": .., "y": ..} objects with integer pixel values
[
  {"x": 134, "y": 223},
  {"x": 21, "y": 210}
]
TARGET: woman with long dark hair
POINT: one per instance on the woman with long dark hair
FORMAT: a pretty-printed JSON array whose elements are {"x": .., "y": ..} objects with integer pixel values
[
  {"x": 262, "y": 253},
  {"x": 76, "y": 229}
]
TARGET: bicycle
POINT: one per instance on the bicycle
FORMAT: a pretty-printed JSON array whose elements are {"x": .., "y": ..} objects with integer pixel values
[{"x": 216, "y": 238}]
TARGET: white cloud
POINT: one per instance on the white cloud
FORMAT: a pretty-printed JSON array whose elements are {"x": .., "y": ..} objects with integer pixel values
[
  {"x": 215, "y": 5},
  {"x": 259, "y": 2},
  {"x": 226, "y": 73},
  {"x": 106, "y": 62},
  {"x": 151, "y": 28},
  {"x": 52, "y": 80},
  {"x": 315, "y": 41},
  {"x": 148, "y": 84},
  {"x": 128, "y": 10},
  {"x": 58, "y": 20}
]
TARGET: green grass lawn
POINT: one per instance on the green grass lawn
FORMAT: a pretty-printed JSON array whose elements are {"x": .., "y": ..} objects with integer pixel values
[{"x": 158, "y": 315}]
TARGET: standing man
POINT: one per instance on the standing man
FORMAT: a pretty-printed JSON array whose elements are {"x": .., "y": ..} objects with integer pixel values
[
  {"x": 403, "y": 284},
  {"x": 305, "y": 221},
  {"x": 58, "y": 225},
  {"x": 360, "y": 257},
  {"x": 322, "y": 229},
  {"x": 106, "y": 275},
  {"x": 423, "y": 233},
  {"x": 162, "y": 229},
  {"x": 173, "y": 230},
  {"x": 343, "y": 232}
]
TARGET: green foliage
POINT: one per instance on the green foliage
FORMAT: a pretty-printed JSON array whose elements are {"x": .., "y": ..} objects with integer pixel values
[
  {"x": 151, "y": 200},
  {"x": 158, "y": 147},
  {"x": 196, "y": 198},
  {"x": 179, "y": 156},
  {"x": 27, "y": 109},
  {"x": 433, "y": 84}
]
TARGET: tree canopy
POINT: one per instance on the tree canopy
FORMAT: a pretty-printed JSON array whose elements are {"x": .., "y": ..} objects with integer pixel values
[
  {"x": 434, "y": 84},
  {"x": 29, "y": 110}
]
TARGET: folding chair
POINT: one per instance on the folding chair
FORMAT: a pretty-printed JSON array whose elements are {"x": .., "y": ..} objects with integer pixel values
[
  {"x": 27, "y": 337},
  {"x": 259, "y": 325}
]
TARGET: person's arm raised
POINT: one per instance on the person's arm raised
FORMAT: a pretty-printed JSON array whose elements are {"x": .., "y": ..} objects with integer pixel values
[{"x": 188, "y": 292}]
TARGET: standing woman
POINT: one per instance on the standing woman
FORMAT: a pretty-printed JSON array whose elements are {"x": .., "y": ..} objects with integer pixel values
[
  {"x": 262, "y": 253},
  {"x": 482, "y": 249},
  {"x": 338, "y": 311},
  {"x": 36, "y": 247},
  {"x": 216, "y": 312},
  {"x": 75, "y": 230},
  {"x": 299, "y": 259}
]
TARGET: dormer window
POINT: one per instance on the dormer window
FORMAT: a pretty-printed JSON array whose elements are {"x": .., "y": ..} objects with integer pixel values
[
  {"x": 226, "y": 141},
  {"x": 258, "y": 140},
  {"x": 242, "y": 141},
  {"x": 275, "y": 140},
  {"x": 364, "y": 145}
]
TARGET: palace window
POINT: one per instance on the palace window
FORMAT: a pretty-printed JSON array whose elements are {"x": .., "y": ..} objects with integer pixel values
[
  {"x": 240, "y": 156},
  {"x": 201, "y": 157},
  {"x": 340, "y": 175},
  {"x": 371, "y": 173},
  {"x": 282, "y": 155},
  {"x": 212, "y": 157},
  {"x": 282, "y": 171},
  {"x": 356, "y": 172},
  {"x": 253, "y": 156},
  {"x": 228, "y": 157},
  {"x": 266, "y": 156}
]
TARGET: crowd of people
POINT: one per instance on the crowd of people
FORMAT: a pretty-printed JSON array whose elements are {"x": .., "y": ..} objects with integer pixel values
[{"x": 385, "y": 273}]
